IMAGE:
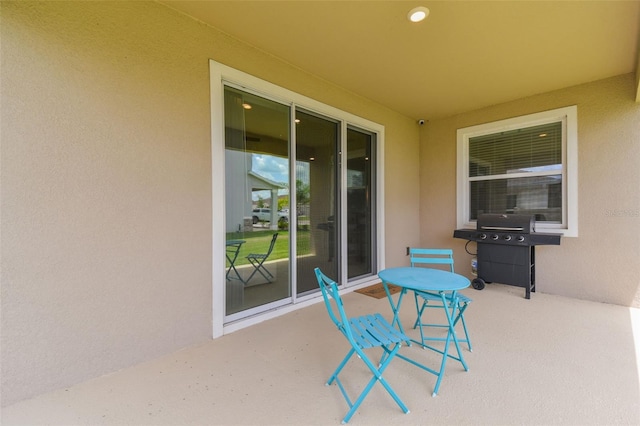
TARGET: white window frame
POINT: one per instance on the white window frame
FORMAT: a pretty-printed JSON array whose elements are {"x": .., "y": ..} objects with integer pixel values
[
  {"x": 220, "y": 75},
  {"x": 569, "y": 118}
]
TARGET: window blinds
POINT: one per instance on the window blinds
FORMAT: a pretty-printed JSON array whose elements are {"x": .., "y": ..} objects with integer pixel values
[{"x": 528, "y": 150}]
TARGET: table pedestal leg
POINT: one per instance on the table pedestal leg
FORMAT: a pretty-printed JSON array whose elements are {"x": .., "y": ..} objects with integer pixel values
[{"x": 395, "y": 307}]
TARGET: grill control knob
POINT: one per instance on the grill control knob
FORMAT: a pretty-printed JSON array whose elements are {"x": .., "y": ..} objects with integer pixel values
[
  {"x": 507, "y": 238},
  {"x": 520, "y": 238},
  {"x": 495, "y": 237},
  {"x": 483, "y": 236}
]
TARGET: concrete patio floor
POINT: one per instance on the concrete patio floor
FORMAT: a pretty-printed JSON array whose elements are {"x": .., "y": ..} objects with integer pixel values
[{"x": 545, "y": 361}]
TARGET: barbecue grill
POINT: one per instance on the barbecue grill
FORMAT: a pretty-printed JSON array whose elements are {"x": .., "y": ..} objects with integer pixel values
[{"x": 506, "y": 249}]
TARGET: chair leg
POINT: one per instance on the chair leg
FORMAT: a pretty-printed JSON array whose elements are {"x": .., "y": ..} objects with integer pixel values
[
  {"x": 377, "y": 377},
  {"x": 464, "y": 326},
  {"x": 459, "y": 316},
  {"x": 259, "y": 267},
  {"x": 418, "y": 310},
  {"x": 391, "y": 353},
  {"x": 419, "y": 321},
  {"x": 346, "y": 359}
]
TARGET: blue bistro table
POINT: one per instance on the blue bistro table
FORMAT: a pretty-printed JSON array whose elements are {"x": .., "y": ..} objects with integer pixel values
[{"x": 438, "y": 283}]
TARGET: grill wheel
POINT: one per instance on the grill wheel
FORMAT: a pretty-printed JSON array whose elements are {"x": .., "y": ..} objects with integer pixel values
[{"x": 478, "y": 283}]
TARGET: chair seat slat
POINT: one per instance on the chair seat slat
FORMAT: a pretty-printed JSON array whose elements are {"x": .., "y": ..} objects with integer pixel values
[
  {"x": 383, "y": 331},
  {"x": 360, "y": 334},
  {"x": 374, "y": 337}
]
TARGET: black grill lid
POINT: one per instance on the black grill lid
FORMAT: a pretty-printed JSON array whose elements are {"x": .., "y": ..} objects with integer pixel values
[{"x": 520, "y": 223}]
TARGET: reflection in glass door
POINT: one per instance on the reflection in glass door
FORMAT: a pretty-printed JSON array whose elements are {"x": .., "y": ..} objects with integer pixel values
[
  {"x": 294, "y": 190},
  {"x": 361, "y": 251},
  {"x": 317, "y": 199},
  {"x": 256, "y": 203}
]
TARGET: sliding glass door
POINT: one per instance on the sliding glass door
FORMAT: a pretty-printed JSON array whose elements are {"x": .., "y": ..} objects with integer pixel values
[
  {"x": 299, "y": 194},
  {"x": 361, "y": 217},
  {"x": 317, "y": 199},
  {"x": 256, "y": 203}
]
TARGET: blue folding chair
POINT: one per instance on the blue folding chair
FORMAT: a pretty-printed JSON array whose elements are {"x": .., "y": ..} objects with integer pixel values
[
  {"x": 422, "y": 256},
  {"x": 364, "y": 332},
  {"x": 257, "y": 261}
]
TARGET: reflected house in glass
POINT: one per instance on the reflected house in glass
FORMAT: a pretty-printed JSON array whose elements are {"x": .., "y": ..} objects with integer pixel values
[
  {"x": 239, "y": 205},
  {"x": 256, "y": 140}
]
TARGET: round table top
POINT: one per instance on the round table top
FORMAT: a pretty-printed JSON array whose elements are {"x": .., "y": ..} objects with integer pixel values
[{"x": 424, "y": 279}]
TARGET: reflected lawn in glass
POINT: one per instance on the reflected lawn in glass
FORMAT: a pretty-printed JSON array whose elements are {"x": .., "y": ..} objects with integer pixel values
[{"x": 258, "y": 242}]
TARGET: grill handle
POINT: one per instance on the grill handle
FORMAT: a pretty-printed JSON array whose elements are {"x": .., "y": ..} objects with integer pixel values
[{"x": 502, "y": 228}]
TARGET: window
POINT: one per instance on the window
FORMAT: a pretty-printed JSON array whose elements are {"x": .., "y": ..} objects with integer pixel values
[{"x": 523, "y": 165}]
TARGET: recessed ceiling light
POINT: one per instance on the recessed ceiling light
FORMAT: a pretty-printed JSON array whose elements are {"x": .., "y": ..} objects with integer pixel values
[
  {"x": 418, "y": 14},
  {"x": 246, "y": 106}
]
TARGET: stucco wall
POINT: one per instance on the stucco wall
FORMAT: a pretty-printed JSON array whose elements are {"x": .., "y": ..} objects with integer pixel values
[
  {"x": 106, "y": 192},
  {"x": 603, "y": 262}
]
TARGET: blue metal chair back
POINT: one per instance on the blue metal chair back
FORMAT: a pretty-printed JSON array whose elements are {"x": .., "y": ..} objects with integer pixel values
[
  {"x": 423, "y": 256},
  {"x": 273, "y": 243},
  {"x": 334, "y": 305}
]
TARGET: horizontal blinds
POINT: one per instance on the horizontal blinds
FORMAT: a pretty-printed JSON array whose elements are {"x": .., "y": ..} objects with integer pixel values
[{"x": 528, "y": 150}]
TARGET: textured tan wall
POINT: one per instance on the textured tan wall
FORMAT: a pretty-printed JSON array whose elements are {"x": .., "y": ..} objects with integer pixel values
[
  {"x": 637, "y": 85},
  {"x": 603, "y": 263},
  {"x": 106, "y": 193}
]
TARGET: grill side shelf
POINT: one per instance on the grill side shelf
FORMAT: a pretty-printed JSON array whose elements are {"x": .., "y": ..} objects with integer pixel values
[
  {"x": 533, "y": 239},
  {"x": 465, "y": 234},
  {"x": 539, "y": 238}
]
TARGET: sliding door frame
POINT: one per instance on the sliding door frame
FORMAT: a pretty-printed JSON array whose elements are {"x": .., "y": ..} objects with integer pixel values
[{"x": 221, "y": 74}]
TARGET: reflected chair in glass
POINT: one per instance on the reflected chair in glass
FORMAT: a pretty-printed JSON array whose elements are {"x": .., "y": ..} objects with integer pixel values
[
  {"x": 363, "y": 332},
  {"x": 257, "y": 261},
  {"x": 424, "y": 256},
  {"x": 233, "y": 248}
]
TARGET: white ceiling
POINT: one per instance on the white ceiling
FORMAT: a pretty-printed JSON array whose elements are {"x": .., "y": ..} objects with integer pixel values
[{"x": 466, "y": 55}]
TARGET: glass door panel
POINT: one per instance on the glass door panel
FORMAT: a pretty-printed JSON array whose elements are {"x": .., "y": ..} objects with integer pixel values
[
  {"x": 256, "y": 202},
  {"x": 360, "y": 203},
  {"x": 317, "y": 199}
]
